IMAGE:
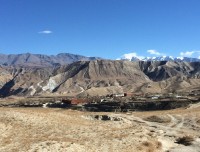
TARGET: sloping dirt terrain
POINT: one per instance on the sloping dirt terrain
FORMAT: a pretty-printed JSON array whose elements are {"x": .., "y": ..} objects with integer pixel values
[{"x": 59, "y": 130}]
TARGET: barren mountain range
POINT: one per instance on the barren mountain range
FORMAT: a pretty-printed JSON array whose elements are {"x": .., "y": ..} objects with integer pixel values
[
  {"x": 65, "y": 74},
  {"x": 41, "y": 60}
]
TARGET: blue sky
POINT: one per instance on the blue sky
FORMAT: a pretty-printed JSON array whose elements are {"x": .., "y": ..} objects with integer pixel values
[{"x": 104, "y": 28}]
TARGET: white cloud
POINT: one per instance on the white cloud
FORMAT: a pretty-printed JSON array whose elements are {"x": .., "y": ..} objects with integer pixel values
[
  {"x": 129, "y": 56},
  {"x": 199, "y": 57},
  {"x": 189, "y": 53},
  {"x": 154, "y": 52},
  {"x": 45, "y": 32}
]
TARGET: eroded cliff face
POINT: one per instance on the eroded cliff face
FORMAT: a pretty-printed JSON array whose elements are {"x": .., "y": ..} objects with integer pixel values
[
  {"x": 100, "y": 77},
  {"x": 5, "y": 76},
  {"x": 162, "y": 70},
  {"x": 23, "y": 80}
]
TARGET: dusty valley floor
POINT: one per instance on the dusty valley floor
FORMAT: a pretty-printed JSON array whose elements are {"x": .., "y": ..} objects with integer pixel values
[{"x": 60, "y": 130}]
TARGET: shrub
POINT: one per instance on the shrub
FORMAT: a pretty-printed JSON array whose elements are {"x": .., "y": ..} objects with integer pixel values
[{"x": 186, "y": 140}]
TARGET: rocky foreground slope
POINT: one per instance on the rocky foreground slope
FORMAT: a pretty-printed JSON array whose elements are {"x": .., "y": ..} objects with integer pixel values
[
  {"x": 101, "y": 77},
  {"x": 46, "y": 129}
]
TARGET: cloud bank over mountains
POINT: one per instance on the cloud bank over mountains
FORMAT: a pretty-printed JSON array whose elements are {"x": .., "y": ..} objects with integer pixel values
[
  {"x": 190, "y": 53},
  {"x": 156, "y": 54}
]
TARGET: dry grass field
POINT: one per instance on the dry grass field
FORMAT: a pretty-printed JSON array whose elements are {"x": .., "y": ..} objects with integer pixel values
[{"x": 60, "y": 130}]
